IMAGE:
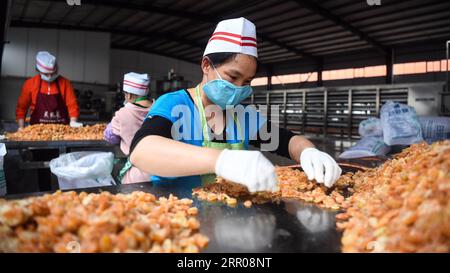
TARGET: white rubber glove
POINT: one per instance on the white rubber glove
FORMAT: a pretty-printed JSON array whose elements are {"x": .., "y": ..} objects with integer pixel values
[
  {"x": 320, "y": 166},
  {"x": 249, "y": 168},
  {"x": 75, "y": 124}
]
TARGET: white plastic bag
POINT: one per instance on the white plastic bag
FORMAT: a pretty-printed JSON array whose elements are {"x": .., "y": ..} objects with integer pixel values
[
  {"x": 368, "y": 146},
  {"x": 400, "y": 124},
  {"x": 435, "y": 128},
  {"x": 83, "y": 169},
  {"x": 370, "y": 127},
  {"x": 2, "y": 172}
]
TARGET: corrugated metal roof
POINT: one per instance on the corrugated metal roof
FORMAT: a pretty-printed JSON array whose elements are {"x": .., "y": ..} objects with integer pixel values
[{"x": 286, "y": 29}]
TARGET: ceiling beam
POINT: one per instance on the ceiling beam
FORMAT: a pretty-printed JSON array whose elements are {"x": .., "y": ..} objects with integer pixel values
[
  {"x": 194, "y": 27},
  {"x": 24, "y": 10},
  {"x": 105, "y": 17},
  {"x": 152, "y": 35},
  {"x": 47, "y": 10},
  {"x": 132, "y": 19},
  {"x": 87, "y": 15},
  {"x": 326, "y": 14},
  {"x": 152, "y": 51},
  {"x": 139, "y": 42},
  {"x": 138, "y": 7},
  {"x": 194, "y": 16},
  {"x": 118, "y": 20},
  {"x": 125, "y": 40},
  {"x": 285, "y": 46},
  {"x": 65, "y": 15}
]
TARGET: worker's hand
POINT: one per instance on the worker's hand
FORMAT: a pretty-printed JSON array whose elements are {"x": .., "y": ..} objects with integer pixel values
[
  {"x": 75, "y": 124},
  {"x": 249, "y": 168},
  {"x": 21, "y": 124},
  {"x": 320, "y": 166},
  {"x": 109, "y": 136}
]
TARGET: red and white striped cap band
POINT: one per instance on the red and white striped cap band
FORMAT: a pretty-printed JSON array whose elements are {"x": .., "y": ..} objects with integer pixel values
[
  {"x": 235, "y": 36},
  {"x": 136, "y": 83},
  {"x": 45, "y": 62}
]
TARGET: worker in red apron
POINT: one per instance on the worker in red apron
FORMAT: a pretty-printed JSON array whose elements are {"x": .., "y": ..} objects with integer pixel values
[{"x": 49, "y": 97}]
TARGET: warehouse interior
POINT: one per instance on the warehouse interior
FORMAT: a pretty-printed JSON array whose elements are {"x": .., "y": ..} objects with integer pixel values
[
  {"x": 328, "y": 65},
  {"x": 302, "y": 44}
]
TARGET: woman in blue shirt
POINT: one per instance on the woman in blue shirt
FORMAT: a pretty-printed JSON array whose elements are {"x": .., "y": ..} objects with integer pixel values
[{"x": 181, "y": 138}]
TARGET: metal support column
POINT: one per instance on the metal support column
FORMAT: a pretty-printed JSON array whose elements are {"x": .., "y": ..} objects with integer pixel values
[
  {"x": 325, "y": 112},
  {"x": 284, "y": 110},
  {"x": 447, "y": 89},
  {"x": 319, "y": 73},
  {"x": 390, "y": 67},
  {"x": 4, "y": 9},
  {"x": 268, "y": 106},
  {"x": 377, "y": 102},
  {"x": 269, "y": 77},
  {"x": 303, "y": 111},
  {"x": 350, "y": 124}
]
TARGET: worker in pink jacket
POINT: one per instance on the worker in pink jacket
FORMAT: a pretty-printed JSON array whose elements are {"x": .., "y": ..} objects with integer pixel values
[{"x": 128, "y": 120}]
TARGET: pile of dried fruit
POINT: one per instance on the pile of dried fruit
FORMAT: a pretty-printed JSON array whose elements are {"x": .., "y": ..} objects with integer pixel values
[
  {"x": 401, "y": 206},
  {"x": 292, "y": 183},
  {"x": 54, "y": 132},
  {"x": 67, "y": 222},
  {"x": 229, "y": 193}
]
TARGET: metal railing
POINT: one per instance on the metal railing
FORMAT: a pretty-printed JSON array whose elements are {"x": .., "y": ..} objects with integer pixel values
[{"x": 333, "y": 112}]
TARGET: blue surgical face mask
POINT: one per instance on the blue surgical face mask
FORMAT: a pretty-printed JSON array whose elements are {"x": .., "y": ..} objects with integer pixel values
[
  {"x": 223, "y": 93},
  {"x": 49, "y": 79}
]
